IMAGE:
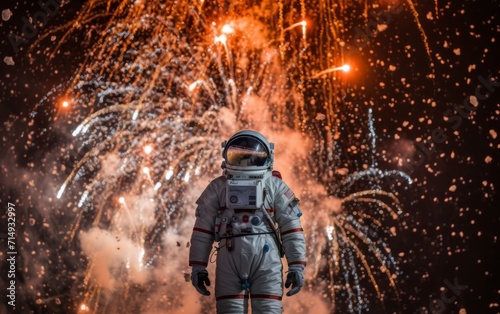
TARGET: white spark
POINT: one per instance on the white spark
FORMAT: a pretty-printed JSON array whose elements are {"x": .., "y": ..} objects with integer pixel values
[
  {"x": 61, "y": 190},
  {"x": 78, "y": 130},
  {"x": 135, "y": 115},
  {"x": 220, "y": 39},
  {"x": 169, "y": 174},
  {"x": 141, "y": 256},
  {"x": 227, "y": 29},
  {"x": 345, "y": 68},
  {"x": 329, "y": 232},
  {"x": 148, "y": 149},
  {"x": 193, "y": 85},
  {"x": 83, "y": 198}
]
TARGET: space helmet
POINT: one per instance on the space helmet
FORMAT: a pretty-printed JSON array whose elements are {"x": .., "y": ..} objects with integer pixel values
[{"x": 247, "y": 151}]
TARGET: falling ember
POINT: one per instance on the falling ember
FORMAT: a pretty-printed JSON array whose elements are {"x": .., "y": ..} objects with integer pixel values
[
  {"x": 302, "y": 23},
  {"x": 345, "y": 68}
]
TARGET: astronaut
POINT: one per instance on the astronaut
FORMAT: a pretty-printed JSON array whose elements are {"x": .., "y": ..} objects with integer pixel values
[{"x": 255, "y": 219}]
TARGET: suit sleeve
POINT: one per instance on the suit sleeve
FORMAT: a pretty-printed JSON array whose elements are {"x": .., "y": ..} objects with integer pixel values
[
  {"x": 288, "y": 216},
  {"x": 202, "y": 237}
]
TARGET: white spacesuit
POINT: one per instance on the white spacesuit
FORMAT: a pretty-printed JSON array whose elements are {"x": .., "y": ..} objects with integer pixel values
[{"x": 239, "y": 210}]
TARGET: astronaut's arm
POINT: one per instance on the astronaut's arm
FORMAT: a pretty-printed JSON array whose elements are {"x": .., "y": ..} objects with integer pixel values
[
  {"x": 202, "y": 239},
  {"x": 292, "y": 234}
]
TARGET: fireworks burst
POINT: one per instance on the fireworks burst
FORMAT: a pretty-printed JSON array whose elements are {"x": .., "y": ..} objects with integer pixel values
[{"x": 357, "y": 218}]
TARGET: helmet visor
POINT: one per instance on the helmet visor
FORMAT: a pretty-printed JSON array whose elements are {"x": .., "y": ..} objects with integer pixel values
[{"x": 246, "y": 152}]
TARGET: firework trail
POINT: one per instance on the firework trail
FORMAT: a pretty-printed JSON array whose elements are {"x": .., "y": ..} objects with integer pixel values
[{"x": 161, "y": 87}]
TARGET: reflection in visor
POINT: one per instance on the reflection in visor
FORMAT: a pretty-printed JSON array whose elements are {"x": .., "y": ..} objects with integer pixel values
[{"x": 243, "y": 156}]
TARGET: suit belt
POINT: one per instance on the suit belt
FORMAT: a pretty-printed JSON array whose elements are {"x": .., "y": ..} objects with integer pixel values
[{"x": 243, "y": 234}]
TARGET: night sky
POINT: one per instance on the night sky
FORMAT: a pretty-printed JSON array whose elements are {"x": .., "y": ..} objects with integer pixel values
[{"x": 426, "y": 122}]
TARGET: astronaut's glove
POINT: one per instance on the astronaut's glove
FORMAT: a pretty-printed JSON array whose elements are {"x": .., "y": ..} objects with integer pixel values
[
  {"x": 295, "y": 278},
  {"x": 199, "y": 278}
]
